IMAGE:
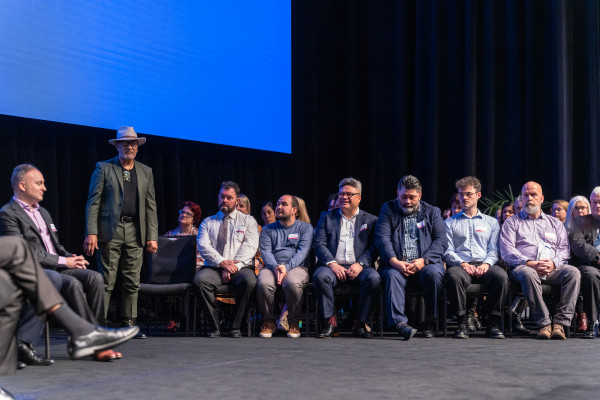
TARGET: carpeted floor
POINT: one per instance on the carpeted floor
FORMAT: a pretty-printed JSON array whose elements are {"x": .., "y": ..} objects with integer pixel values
[{"x": 339, "y": 368}]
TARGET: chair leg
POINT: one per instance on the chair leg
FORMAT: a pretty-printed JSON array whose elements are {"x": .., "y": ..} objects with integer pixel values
[
  {"x": 186, "y": 311},
  {"x": 47, "y": 339},
  {"x": 445, "y": 313}
]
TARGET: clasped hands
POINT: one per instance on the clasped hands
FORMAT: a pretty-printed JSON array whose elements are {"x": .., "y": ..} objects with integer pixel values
[
  {"x": 228, "y": 268},
  {"x": 542, "y": 267},
  {"x": 408, "y": 268},
  {"x": 343, "y": 274},
  {"x": 475, "y": 271}
]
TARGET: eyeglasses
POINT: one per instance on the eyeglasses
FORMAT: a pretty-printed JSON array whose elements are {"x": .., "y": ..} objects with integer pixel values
[
  {"x": 581, "y": 208},
  {"x": 186, "y": 213},
  {"x": 468, "y": 194},
  {"x": 347, "y": 194}
]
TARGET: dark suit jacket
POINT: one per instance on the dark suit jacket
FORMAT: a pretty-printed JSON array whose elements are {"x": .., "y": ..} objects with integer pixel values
[
  {"x": 581, "y": 240},
  {"x": 389, "y": 232},
  {"x": 15, "y": 221},
  {"x": 105, "y": 198},
  {"x": 327, "y": 237}
]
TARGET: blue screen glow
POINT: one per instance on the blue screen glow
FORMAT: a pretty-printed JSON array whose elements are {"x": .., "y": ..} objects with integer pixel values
[{"x": 206, "y": 70}]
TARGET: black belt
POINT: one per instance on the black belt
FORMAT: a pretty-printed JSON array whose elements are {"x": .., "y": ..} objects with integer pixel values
[{"x": 126, "y": 219}]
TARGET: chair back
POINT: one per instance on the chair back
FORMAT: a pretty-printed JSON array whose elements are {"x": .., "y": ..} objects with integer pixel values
[{"x": 175, "y": 260}]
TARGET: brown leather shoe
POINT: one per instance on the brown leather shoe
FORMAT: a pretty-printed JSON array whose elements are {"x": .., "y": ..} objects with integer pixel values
[
  {"x": 582, "y": 322},
  {"x": 558, "y": 332},
  {"x": 545, "y": 332}
]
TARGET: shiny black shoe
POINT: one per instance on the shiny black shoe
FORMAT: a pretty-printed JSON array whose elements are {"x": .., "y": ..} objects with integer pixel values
[
  {"x": 462, "y": 332},
  {"x": 592, "y": 331},
  {"x": 517, "y": 325},
  {"x": 213, "y": 334},
  {"x": 20, "y": 365},
  {"x": 405, "y": 331},
  {"x": 328, "y": 332},
  {"x": 28, "y": 355},
  {"x": 427, "y": 329},
  {"x": 130, "y": 323},
  {"x": 99, "y": 339},
  {"x": 235, "y": 333},
  {"x": 362, "y": 332},
  {"x": 495, "y": 333}
]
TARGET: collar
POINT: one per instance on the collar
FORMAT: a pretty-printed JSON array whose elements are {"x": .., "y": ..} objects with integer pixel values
[
  {"x": 352, "y": 217},
  {"x": 222, "y": 215},
  {"x": 462, "y": 214},
  {"x": 26, "y": 206},
  {"x": 524, "y": 215}
]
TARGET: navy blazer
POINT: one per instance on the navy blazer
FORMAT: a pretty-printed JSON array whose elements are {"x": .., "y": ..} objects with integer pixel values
[
  {"x": 582, "y": 233},
  {"x": 327, "y": 237},
  {"x": 389, "y": 232},
  {"x": 15, "y": 221}
]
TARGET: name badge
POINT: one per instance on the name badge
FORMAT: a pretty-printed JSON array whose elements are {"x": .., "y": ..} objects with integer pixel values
[
  {"x": 363, "y": 227},
  {"x": 420, "y": 224},
  {"x": 52, "y": 228},
  {"x": 293, "y": 236},
  {"x": 550, "y": 235},
  {"x": 480, "y": 229}
]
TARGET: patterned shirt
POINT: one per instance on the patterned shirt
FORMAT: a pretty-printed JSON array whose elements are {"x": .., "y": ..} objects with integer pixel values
[{"x": 411, "y": 250}]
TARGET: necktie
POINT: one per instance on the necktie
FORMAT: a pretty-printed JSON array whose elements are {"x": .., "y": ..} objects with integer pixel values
[{"x": 222, "y": 238}]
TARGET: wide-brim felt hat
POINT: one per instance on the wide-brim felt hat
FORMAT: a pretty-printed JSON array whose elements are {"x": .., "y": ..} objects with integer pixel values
[{"x": 126, "y": 134}]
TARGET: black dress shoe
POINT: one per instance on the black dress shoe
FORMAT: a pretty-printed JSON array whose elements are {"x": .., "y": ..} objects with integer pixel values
[
  {"x": 405, "y": 330},
  {"x": 517, "y": 325},
  {"x": 328, "y": 332},
  {"x": 235, "y": 333},
  {"x": 427, "y": 329},
  {"x": 28, "y": 355},
  {"x": 213, "y": 334},
  {"x": 131, "y": 322},
  {"x": 362, "y": 332},
  {"x": 495, "y": 333},
  {"x": 21, "y": 365},
  {"x": 592, "y": 331},
  {"x": 462, "y": 332},
  {"x": 99, "y": 339}
]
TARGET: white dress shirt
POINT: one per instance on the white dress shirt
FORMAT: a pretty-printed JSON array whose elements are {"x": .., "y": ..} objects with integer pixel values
[
  {"x": 345, "y": 251},
  {"x": 242, "y": 239}
]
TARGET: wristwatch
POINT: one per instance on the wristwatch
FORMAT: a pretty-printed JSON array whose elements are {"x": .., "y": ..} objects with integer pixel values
[{"x": 427, "y": 261}]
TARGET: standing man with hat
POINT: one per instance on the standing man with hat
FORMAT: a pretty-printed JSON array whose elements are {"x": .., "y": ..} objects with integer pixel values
[{"x": 120, "y": 217}]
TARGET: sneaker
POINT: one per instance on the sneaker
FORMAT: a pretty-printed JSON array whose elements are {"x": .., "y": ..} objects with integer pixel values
[
  {"x": 267, "y": 329},
  {"x": 282, "y": 324},
  {"x": 294, "y": 331},
  {"x": 558, "y": 332},
  {"x": 592, "y": 331},
  {"x": 544, "y": 333}
]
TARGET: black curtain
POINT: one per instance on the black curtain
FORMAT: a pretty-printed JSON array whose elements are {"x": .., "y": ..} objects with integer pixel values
[{"x": 505, "y": 90}]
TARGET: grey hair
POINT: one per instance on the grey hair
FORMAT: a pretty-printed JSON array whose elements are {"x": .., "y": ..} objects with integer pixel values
[
  {"x": 596, "y": 191},
  {"x": 19, "y": 173},
  {"x": 410, "y": 182},
  {"x": 572, "y": 203},
  {"x": 355, "y": 183}
]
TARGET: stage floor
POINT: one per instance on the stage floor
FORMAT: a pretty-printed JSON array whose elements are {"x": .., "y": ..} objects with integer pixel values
[{"x": 343, "y": 367}]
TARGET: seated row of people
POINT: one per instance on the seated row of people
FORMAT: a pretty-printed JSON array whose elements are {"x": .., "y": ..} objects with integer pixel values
[{"x": 415, "y": 246}]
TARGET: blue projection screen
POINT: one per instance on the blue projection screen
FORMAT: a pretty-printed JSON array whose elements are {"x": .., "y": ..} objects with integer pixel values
[{"x": 216, "y": 71}]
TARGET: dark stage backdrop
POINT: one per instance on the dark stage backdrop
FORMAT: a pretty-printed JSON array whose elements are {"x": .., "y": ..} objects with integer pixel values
[{"x": 506, "y": 90}]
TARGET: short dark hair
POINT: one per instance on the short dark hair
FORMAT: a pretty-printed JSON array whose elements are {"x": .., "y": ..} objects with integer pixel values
[
  {"x": 231, "y": 185},
  {"x": 294, "y": 200},
  {"x": 410, "y": 182},
  {"x": 469, "y": 181},
  {"x": 19, "y": 172}
]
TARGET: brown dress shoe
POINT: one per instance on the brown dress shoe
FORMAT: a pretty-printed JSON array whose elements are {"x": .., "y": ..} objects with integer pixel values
[
  {"x": 105, "y": 355},
  {"x": 582, "y": 322},
  {"x": 544, "y": 333},
  {"x": 558, "y": 332}
]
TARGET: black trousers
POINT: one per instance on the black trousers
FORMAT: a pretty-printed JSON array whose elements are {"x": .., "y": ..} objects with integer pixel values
[
  {"x": 21, "y": 277},
  {"x": 495, "y": 280},
  {"x": 590, "y": 288},
  {"x": 208, "y": 280}
]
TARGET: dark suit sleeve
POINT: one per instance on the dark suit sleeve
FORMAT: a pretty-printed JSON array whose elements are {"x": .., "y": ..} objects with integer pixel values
[
  {"x": 9, "y": 226},
  {"x": 383, "y": 234},
  {"x": 370, "y": 253},
  {"x": 92, "y": 206},
  {"x": 439, "y": 240},
  {"x": 320, "y": 241},
  {"x": 151, "y": 217},
  {"x": 580, "y": 247}
]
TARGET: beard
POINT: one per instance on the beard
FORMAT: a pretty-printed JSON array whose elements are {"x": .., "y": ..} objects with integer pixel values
[
  {"x": 531, "y": 209},
  {"x": 225, "y": 208},
  {"x": 410, "y": 209}
]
